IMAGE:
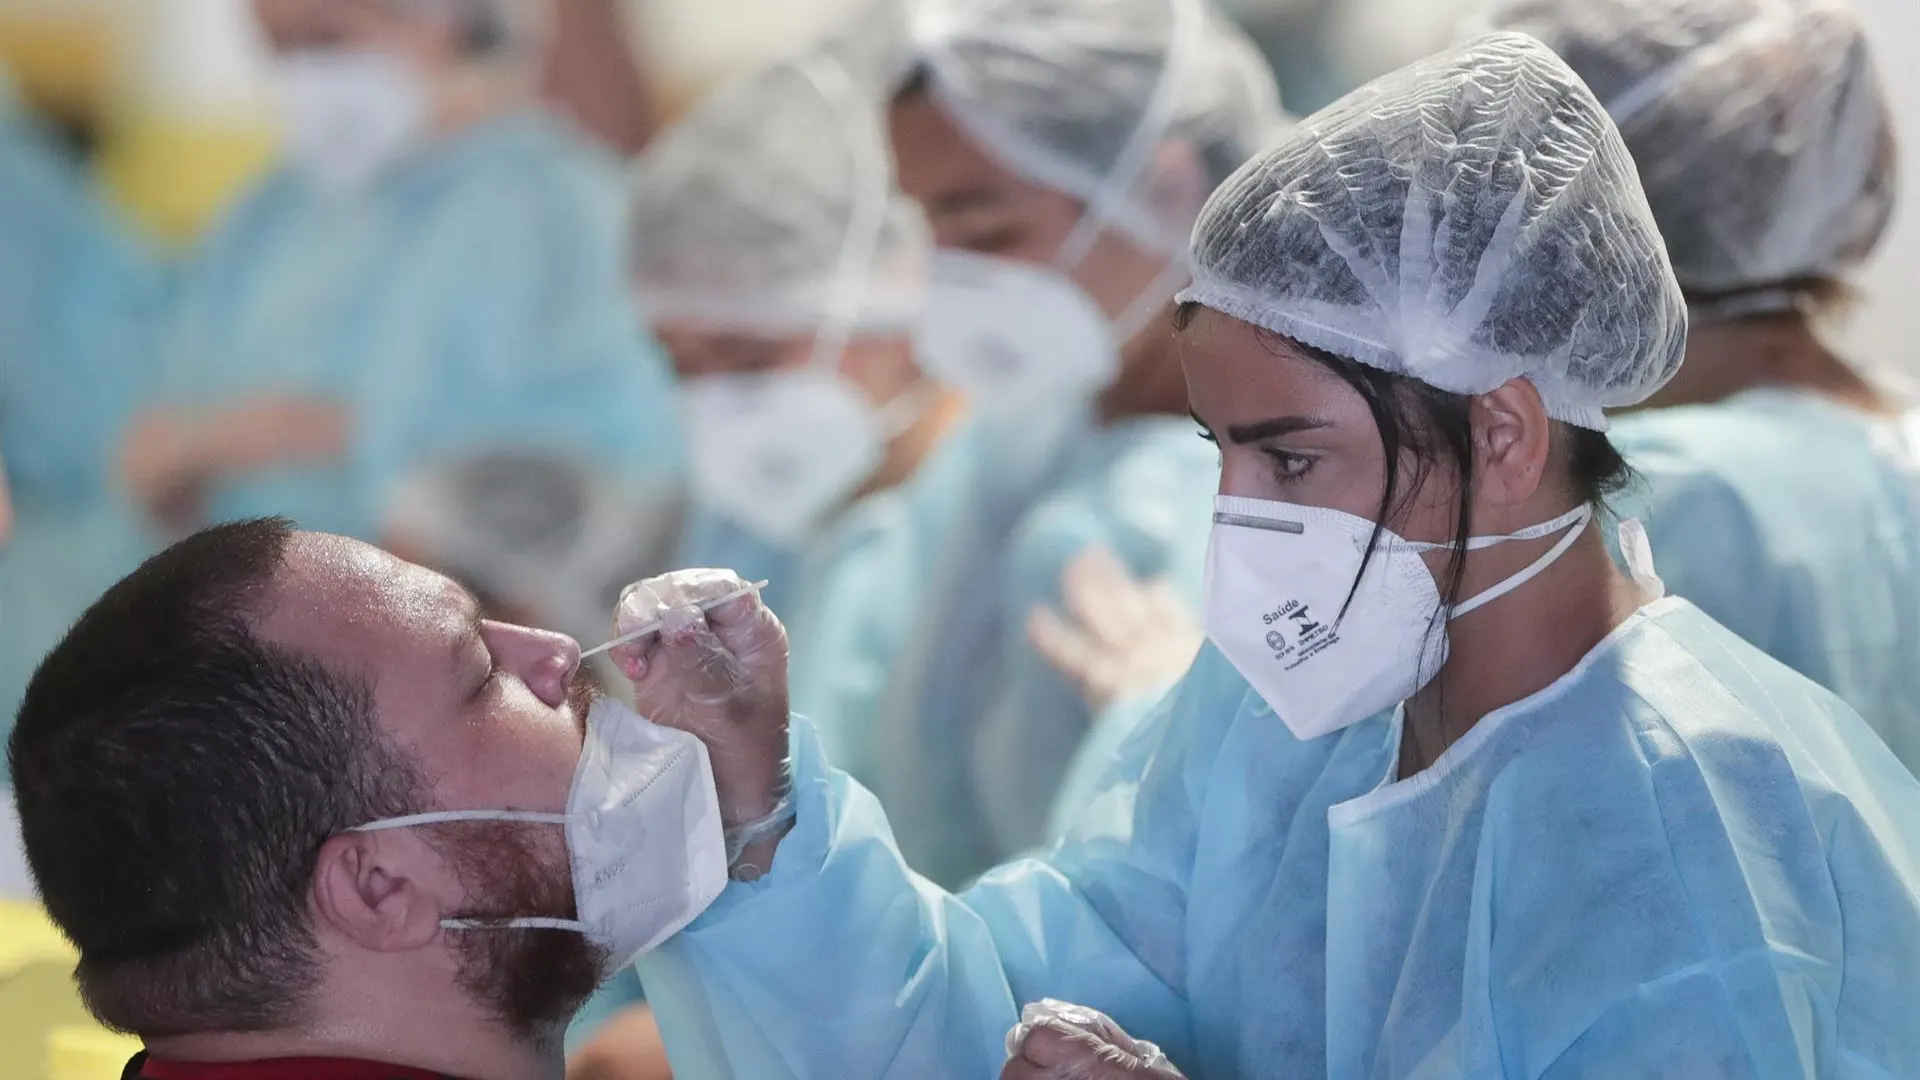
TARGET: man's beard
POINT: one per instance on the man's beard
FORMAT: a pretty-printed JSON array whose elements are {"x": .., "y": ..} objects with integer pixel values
[{"x": 533, "y": 981}]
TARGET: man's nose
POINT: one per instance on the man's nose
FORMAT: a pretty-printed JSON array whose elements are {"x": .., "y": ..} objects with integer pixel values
[{"x": 544, "y": 660}]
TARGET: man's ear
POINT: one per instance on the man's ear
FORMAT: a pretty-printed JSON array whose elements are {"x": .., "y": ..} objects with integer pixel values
[{"x": 378, "y": 890}]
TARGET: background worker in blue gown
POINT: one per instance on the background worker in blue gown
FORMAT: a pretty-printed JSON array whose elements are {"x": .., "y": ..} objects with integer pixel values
[
  {"x": 79, "y": 297},
  {"x": 1781, "y": 480},
  {"x": 1450, "y": 794},
  {"x": 783, "y": 273},
  {"x": 435, "y": 271},
  {"x": 1061, "y": 152}
]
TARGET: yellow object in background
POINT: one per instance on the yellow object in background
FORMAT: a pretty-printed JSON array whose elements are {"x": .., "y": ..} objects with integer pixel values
[
  {"x": 175, "y": 175},
  {"x": 193, "y": 120},
  {"x": 65, "y": 64},
  {"x": 88, "y": 1054},
  {"x": 37, "y": 993}
]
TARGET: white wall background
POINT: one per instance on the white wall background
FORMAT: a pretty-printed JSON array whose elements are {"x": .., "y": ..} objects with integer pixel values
[{"x": 1887, "y": 329}]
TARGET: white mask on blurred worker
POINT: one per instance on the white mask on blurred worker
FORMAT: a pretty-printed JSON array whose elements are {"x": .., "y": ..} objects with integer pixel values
[
  {"x": 349, "y": 114},
  {"x": 1013, "y": 337},
  {"x": 777, "y": 453}
]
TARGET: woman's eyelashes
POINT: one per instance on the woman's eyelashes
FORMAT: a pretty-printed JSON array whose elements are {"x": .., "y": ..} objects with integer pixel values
[{"x": 1288, "y": 467}]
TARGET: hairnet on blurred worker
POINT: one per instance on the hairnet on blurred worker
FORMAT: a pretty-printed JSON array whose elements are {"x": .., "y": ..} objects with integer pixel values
[
  {"x": 1600, "y": 835},
  {"x": 434, "y": 272},
  {"x": 1061, "y": 151},
  {"x": 78, "y": 300},
  {"x": 782, "y": 272},
  {"x": 1781, "y": 486}
]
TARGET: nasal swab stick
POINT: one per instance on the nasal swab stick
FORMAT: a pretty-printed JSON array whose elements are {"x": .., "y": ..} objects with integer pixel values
[{"x": 653, "y": 627}]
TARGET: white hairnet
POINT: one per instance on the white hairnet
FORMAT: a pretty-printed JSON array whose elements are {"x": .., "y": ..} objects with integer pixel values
[
  {"x": 1759, "y": 126},
  {"x": 772, "y": 207},
  {"x": 1466, "y": 220},
  {"x": 1078, "y": 95}
]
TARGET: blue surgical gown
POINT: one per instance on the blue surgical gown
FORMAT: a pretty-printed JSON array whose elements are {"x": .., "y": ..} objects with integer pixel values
[
  {"x": 977, "y": 729},
  {"x": 79, "y": 298},
  {"x": 1794, "y": 521},
  {"x": 1679, "y": 859},
  {"x": 473, "y": 299},
  {"x": 848, "y": 597}
]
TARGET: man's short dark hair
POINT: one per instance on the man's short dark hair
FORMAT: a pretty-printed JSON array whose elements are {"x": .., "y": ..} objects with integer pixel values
[{"x": 176, "y": 776}]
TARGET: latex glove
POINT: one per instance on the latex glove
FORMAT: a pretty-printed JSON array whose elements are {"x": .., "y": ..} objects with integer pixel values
[
  {"x": 1058, "y": 1041},
  {"x": 1119, "y": 636},
  {"x": 721, "y": 675}
]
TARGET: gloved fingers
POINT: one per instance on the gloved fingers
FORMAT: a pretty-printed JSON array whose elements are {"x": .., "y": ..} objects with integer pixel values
[
  {"x": 1058, "y": 1051},
  {"x": 749, "y": 629},
  {"x": 669, "y": 600}
]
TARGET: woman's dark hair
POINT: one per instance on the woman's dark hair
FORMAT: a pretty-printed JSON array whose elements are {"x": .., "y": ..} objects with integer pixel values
[{"x": 1430, "y": 425}]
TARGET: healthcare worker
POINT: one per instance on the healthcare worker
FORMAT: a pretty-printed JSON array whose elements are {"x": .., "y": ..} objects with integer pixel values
[
  {"x": 1599, "y": 836},
  {"x": 783, "y": 272},
  {"x": 1781, "y": 485},
  {"x": 435, "y": 272},
  {"x": 1061, "y": 151},
  {"x": 78, "y": 299}
]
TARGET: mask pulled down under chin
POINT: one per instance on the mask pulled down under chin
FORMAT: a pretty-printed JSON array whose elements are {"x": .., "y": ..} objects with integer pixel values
[{"x": 644, "y": 835}]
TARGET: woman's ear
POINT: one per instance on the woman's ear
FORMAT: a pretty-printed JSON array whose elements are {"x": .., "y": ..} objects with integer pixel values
[{"x": 1512, "y": 444}]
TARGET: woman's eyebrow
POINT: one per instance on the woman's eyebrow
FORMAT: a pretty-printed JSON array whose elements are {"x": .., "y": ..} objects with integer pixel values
[{"x": 1241, "y": 434}]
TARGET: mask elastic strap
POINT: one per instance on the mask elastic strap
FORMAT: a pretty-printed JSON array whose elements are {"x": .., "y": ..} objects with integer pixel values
[
  {"x": 1539, "y": 566},
  {"x": 1151, "y": 301},
  {"x": 445, "y": 817},
  {"x": 1137, "y": 154},
  {"x": 862, "y": 242},
  {"x": 522, "y": 923}
]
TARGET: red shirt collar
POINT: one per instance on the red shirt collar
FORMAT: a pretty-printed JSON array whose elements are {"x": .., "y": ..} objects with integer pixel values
[{"x": 279, "y": 1069}]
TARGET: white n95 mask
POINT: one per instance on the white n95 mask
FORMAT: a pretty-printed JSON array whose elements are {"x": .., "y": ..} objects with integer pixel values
[
  {"x": 1282, "y": 606},
  {"x": 349, "y": 114},
  {"x": 777, "y": 452},
  {"x": 644, "y": 836},
  {"x": 1011, "y": 336}
]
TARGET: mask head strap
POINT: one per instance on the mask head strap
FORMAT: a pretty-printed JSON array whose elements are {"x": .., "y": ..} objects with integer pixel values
[{"x": 445, "y": 817}]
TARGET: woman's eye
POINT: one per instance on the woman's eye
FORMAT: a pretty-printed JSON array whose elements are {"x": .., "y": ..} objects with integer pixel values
[
  {"x": 1287, "y": 467},
  {"x": 994, "y": 241}
]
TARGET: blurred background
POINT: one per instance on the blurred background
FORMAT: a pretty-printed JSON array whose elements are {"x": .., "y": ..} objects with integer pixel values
[{"x": 139, "y": 144}]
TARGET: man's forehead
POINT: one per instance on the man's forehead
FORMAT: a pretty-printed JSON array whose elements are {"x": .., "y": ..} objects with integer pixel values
[{"x": 347, "y": 598}]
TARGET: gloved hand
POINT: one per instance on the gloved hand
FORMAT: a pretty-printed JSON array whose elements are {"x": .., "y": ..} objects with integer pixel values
[
  {"x": 1058, "y": 1041},
  {"x": 1120, "y": 636},
  {"x": 721, "y": 675}
]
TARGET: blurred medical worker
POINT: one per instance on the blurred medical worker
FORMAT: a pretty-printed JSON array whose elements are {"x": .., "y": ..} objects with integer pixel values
[
  {"x": 435, "y": 271},
  {"x": 1061, "y": 151},
  {"x": 1782, "y": 487},
  {"x": 78, "y": 296},
  {"x": 784, "y": 274},
  {"x": 1599, "y": 835}
]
